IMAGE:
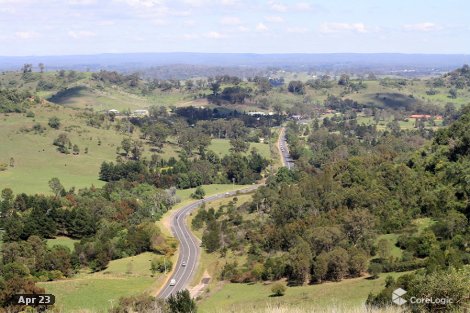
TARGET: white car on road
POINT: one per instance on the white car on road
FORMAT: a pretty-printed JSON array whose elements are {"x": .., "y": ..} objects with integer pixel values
[{"x": 173, "y": 282}]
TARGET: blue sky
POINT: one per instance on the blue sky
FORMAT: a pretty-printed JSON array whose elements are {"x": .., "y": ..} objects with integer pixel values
[{"x": 55, "y": 27}]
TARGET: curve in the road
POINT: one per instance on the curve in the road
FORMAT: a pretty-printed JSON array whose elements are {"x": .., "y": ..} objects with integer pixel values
[{"x": 189, "y": 245}]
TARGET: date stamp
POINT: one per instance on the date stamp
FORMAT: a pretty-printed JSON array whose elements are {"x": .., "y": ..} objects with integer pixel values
[{"x": 33, "y": 300}]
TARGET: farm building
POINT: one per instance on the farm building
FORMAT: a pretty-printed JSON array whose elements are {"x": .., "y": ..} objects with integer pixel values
[{"x": 141, "y": 113}]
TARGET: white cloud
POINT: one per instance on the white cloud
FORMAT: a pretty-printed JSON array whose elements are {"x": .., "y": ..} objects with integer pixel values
[
  {"x": 214, "y": 35},
  {"x": 421, "y": 27},
  {"x": 274, "y": 19},
  {"x": 82, "y": 2},
  {"x": 7, "y": 10},
  {"x": 303, "y": 6},
  {"x": 195, "y": 3},
  {"x": 189, "y": 22},
  {"x": 261, "y": 27},
  {"x": 276, "y": 6},
  {"x": 159, "y": 22},
  {"x": 143, "y": 3},
  {"x": 81, "y": 34},
  {"x": 230, "y": 20},
  {"x": 339, "y": 27},
  {"x": 180, "y": 13},
  {"x": 229, "y": 2},
  {"x": 243, "y": 29},
  {"x": 26, "y": 35},
  {"x": 106, "y": 23},
  {"x": 298, "y": 30},
  {"x": 190, "y": 36}
]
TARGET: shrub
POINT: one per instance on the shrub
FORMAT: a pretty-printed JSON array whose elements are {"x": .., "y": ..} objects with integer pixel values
[
  {"x": 375, "y": 269},
  {"x": 54, "y": 122},
  {"x": 278, "y": 289},
  {"x": 199, "y": 193}
]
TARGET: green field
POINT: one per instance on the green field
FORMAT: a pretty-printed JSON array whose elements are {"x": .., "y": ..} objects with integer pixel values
[
  {"x": 97, "y": 292},
  {"x": 63, "y": 241},
  {"x": 396, "y": 252},
  {"x": 222, "y": 147},
  {"x": 37, "y": 160},
  {"x": 349, "y": 293},
  {"x": 185, "y": 194}
]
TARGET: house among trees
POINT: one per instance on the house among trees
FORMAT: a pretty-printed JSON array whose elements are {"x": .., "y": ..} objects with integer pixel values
[
  {"x": 256, "y": 113},
  {"x": 420, "y": 116},
  {"x": 113, "y": 111},
  {"x": 140, "y": 113}
]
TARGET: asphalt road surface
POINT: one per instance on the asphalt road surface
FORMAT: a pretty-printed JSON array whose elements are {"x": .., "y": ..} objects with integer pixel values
[
  {"x": 189, "y": 248},
  {"x": 284, "y": 149}
]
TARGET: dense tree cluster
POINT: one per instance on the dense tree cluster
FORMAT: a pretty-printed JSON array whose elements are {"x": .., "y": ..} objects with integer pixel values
[
  {"x": 115, "y": 78},
  {"x": 321, "y": 222},
  {"x": 459, "y": 79},
  {"x": 15, "y": 101},
  {"x": 113, "y": 222},
  {"x": 230, "y": 94},
  {"x": 209, "y": 168}
]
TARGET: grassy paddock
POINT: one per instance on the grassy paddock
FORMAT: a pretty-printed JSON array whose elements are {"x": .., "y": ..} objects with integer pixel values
[
  {"x": 307, "y": 309},
  {"x": 222, "y": 147},
  {"x": 349, "y": 293},
  {"x": 97, "y": 292},
  {"x": 396, "y": 252},
  {"x": 63, "y": 241},
  {"x": 185, "y": 194},
  {"x": 37, "y": 160}
]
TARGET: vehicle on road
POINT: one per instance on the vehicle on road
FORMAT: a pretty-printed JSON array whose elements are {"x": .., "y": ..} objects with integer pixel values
[
  {"x": 173, "y": 282},
  {"x": 183, "y": 263}
]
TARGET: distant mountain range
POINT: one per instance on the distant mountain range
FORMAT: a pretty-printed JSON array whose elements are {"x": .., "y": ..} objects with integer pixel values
[{"x": 382, "y": 62}]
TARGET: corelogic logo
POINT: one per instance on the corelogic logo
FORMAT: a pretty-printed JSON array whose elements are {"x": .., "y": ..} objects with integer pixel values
[
  {"x": 397, "y": 298},
  {"x": 397, "y": 295}
]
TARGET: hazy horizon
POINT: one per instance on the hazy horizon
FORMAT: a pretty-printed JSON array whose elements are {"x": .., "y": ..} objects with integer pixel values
[
  {"x": 88, "y": 27},
  {"x": 235, "y": 53}
]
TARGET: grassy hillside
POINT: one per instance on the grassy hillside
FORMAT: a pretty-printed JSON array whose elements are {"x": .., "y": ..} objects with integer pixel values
[
  {"x": 308, "y": 309},
  {"x": 99, "y": 291},
  {"x": 82, "y": 91},
  {"x": 36, "y": 160},
  {"x": 349, "y": 293}
]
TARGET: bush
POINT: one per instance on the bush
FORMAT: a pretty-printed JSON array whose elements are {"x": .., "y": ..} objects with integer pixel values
[
  {"x": 3, "y": 167},
  {"x": 182, "y": 303},
  {"x": 278, "y": 289},
  {"x": 199, "y": 193},
  {"x": 161, "y": 265},
  {"x": 375, "y": 269},
  {"x": 404, "y": 266},
  {"x": 54, "y": 122}
]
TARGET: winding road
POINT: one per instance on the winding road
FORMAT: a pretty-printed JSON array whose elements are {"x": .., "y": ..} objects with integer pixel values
[{"x": 189, "y": 245}]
